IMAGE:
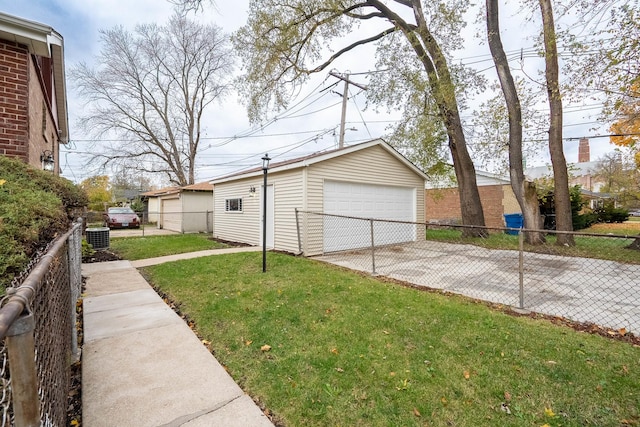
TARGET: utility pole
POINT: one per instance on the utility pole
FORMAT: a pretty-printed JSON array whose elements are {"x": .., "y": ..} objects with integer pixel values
[{"x": 345, "y": 96}]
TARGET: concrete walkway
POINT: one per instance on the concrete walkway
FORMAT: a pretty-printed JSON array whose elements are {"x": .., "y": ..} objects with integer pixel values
[{"x": 143, "y": 366}]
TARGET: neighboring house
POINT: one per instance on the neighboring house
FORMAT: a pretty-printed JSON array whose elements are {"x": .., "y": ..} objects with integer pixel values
[
  {"x": 370, "y": 180},
  {"x": 33, "y": 105},
  {"x": 497, "y": 197},
  {"x": 582, "y": 173},
  {"x": 442, "y": 203},
  {"x": 186, "y": 209}
]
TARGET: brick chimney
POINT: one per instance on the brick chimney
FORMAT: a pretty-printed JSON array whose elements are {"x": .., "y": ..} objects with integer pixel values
[{"x": 583, "y": 151}]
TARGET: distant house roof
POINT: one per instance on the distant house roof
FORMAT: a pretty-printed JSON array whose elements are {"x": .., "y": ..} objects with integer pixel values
[
  {"x": 319, "y": 157},
  {"x": 155, "y": 193},
  {"x": 200, "y": 186},
  {"x": 574, "y": 169},
  {"x": 483, "y": 178},
  {"x": 42, "y": 40}
]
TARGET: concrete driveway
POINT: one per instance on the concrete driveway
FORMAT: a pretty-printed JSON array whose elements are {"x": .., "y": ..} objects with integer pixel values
[{"x": 606, "y": 293}]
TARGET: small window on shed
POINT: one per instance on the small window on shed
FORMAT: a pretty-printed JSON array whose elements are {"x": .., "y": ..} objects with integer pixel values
[{"x": 233, "y": 205}]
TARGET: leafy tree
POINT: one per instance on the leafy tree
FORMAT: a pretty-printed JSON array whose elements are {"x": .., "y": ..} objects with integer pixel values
[
  {"x": 284, "y": 42},
  {"x": 626, "y": 130},
  {"x": 524, "y": 191},
  {"x": 151, "y": 89},
  {"x": 98, "y": 189}
]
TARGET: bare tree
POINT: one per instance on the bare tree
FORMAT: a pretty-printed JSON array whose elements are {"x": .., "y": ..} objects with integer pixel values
[
  {"x": 524, "y": 191},
  {"x": 149, "y": 91},
  {"x": 562, "y": 197}
]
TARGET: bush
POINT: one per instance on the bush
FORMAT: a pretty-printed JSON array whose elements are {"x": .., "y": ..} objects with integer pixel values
[
  {"x": 610, "y": 214},
  {"x": 35, "y": 207}
]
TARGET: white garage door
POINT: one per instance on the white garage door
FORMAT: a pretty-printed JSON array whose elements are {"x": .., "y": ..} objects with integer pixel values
[
  {"x": 171, "y": 215},
  {"x": 367, "y": 201}
]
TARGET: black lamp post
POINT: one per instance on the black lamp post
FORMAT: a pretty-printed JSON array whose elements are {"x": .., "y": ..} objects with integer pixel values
[{"x": 265, "y": 167}]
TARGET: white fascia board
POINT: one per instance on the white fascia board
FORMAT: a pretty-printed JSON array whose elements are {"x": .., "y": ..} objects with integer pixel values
[{"x": 30, "y": 33}]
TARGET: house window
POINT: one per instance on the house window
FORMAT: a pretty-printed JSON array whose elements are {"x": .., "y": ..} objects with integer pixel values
[{"x": 233, "y": 205}]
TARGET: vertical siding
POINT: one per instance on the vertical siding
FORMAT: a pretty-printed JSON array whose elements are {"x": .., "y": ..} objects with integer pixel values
[
  {"x": 154, "y": 209},
  {"x": 196, "y": 205}
]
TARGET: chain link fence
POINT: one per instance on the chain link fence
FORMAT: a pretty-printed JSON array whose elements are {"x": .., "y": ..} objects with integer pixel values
[
  {"x": 39, "y": 336},
  {"x": 597, "y": 281},
  {"x": 191, "y": 221}
]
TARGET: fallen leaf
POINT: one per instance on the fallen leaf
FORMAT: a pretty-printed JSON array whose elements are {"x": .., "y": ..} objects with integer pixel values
[
  {"x": 466, "y": 375},
  {"x": 385, "y": 332},
  {"x": 339, "y": 369},
  {"x": 205, "y": 342},
  {"x": 622, "y": 331},
  {"x": 507, "y": 396},
  {"x": 248, "y": 342},
  {"x": 392, "y": 374},
  {"x": 416, "y": 412},
  {"x": 549, "y": 412},
  {"x": 74, "y": 423},
  {"x": 334, "y": 350},
  {"x": 265, "y": 347},
  {"x": 625, "y": 369}
]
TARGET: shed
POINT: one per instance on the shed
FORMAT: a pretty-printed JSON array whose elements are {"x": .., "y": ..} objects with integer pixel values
[
  {"x": 187, "y": 209},
  {"x": 367, "y": 180}
]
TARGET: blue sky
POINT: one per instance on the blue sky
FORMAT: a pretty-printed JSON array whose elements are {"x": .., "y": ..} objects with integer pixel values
[{"x": 79, "y": 22}]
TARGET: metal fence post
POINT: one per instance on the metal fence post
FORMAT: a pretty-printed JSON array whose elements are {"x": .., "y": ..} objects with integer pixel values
[
  {"x": 521, "y": 266},
  {"x": 373, "y": 250},
  {"x": 74, "y": 252},
  {"x": 22, "y": 366},
  {"x": 298, "y": 228}
]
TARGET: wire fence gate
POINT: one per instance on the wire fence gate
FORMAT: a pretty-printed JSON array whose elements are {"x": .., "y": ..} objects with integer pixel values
[
  {"x": 39, "y": 335},
  {"x": 547, "y": 279}
]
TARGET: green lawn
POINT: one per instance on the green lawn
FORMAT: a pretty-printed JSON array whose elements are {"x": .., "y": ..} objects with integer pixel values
[
  {"x": 133, "y": 248},
  {"x": 346, "y": 349}
]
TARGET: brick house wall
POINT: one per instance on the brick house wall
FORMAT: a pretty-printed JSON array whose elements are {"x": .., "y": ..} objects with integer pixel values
[
  {"x": 443, "y": 205},
  {"x": 33, "y": 105},
  {"x": 43, "y": 131},
  {"x": 14, "y": 100}
]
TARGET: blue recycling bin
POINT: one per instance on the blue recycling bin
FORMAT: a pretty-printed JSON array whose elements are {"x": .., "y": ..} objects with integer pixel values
[{"x": 514, "y": 220}]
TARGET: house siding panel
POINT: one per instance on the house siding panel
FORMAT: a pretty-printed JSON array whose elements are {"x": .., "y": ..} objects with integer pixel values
[
  {"x": 289, "y": 196},
  {"x": 238, "y": 226},
  {"x": 198, "y": 208}
]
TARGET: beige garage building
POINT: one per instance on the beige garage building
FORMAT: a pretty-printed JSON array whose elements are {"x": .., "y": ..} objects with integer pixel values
[
  {"x": 368, "y": 180},
  {"x": 186, "y": 209}
]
